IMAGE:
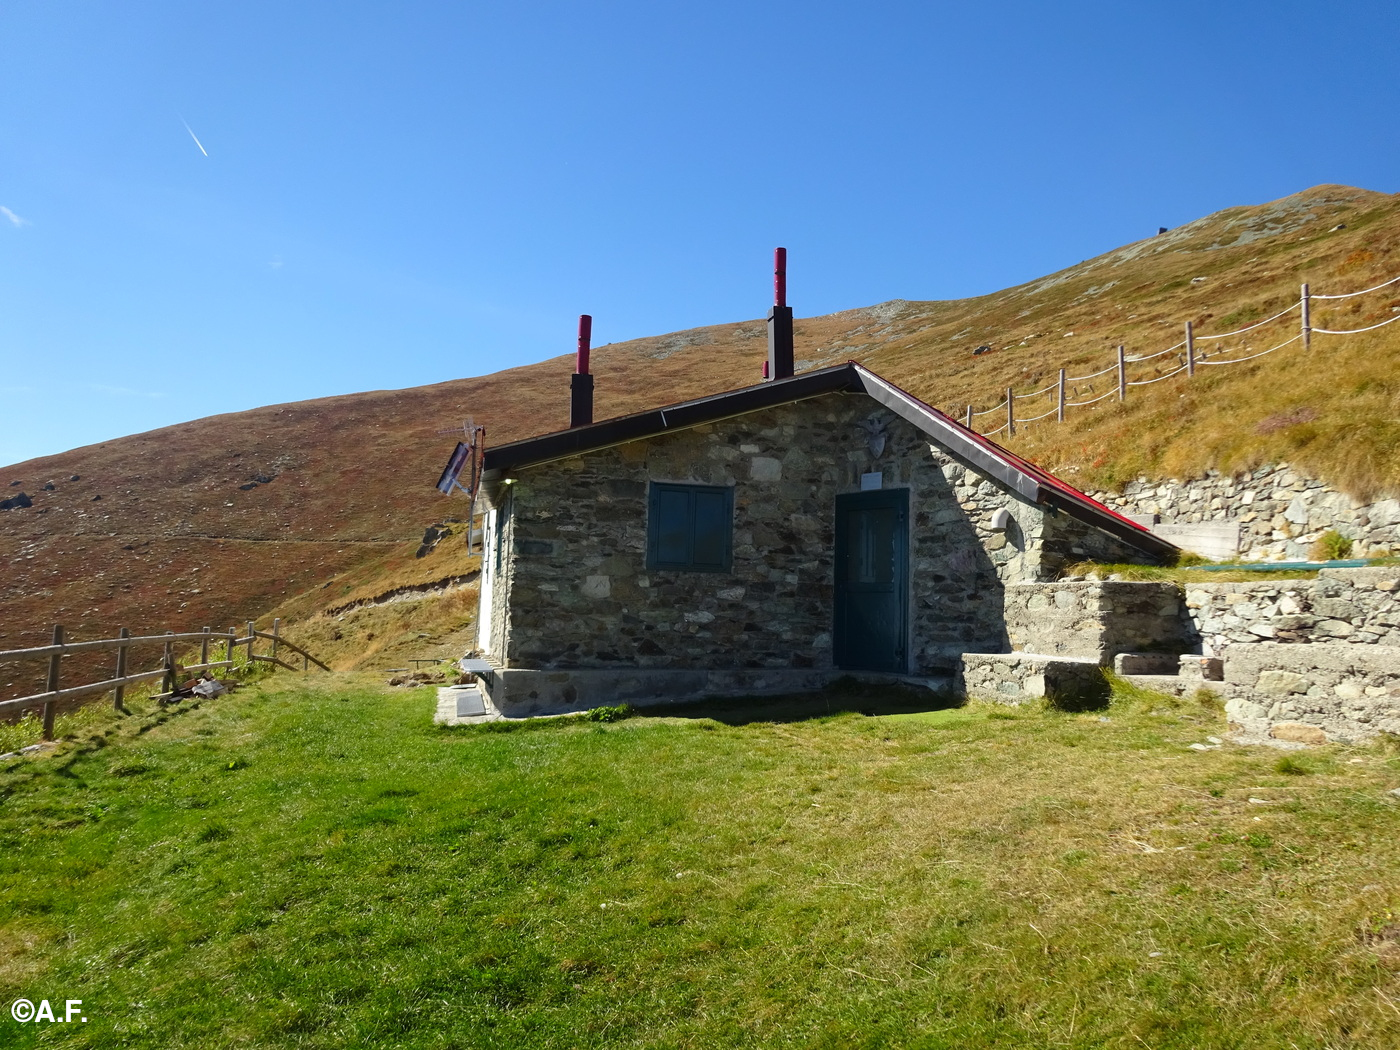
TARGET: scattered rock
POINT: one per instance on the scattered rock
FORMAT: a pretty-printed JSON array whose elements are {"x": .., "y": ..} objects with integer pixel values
[
  {"x": 1298, "y": 733},
  {"x": 75, "y": 477},
  {"x": 94, "y": 499},
  {"x": 432, "y": 535},
  {"x": 1282, "y": 683},
  {"x": 49, "y": 486},
  {"x": 16, "y": 502},
  {"x": 14, "y": 483}
]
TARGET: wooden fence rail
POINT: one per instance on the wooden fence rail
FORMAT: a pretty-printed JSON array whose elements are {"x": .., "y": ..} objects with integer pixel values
[{"x": 168, "y": 670}]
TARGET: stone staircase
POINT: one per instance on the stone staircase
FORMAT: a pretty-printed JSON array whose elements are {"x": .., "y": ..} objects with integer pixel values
[{"x": 1064, "y": 634}]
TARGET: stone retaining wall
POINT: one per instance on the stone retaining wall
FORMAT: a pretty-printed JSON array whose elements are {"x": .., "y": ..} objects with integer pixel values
[
  {"x": 1350, "y": 692},
  {"x": 1355, "y": 606},
  {"x": 1280, "y": 511},
  {"x": 1096, "y": 620},
  {"x": 1017, "y": 678}
]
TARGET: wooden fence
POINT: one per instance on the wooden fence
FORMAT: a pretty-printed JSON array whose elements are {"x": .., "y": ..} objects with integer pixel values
[
  {"x": 1187, "y": 360},
  {"x": 169, "y": 670}
]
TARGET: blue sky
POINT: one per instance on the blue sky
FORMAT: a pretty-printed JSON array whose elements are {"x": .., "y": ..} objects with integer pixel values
[{"x": 397, "y": 194}]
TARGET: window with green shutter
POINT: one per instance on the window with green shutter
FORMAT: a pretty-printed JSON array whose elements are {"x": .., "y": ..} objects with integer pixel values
[{"x": 690, "y": 527}]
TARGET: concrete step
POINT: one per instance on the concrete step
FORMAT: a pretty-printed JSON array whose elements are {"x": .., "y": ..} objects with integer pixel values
[{"x": 1173, "y": 684}]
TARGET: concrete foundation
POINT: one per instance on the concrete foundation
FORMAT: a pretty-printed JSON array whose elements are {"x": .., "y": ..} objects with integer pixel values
[
  {"x": 526, "y": 693},
  {"x": 1018, "y": 678}
]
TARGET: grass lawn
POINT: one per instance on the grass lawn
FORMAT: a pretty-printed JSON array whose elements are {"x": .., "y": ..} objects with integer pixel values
[{"x": 311, "y": 863}]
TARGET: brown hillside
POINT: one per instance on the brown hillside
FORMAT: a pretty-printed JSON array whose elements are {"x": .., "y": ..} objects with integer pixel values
[{"x": 175, "y": 542}]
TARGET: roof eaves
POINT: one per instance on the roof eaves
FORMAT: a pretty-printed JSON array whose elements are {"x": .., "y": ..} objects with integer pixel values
[
  {"x": 576, "y": 440},
  {"x": 1022, "y": 476},
  {"x": 970, "y": 449}
]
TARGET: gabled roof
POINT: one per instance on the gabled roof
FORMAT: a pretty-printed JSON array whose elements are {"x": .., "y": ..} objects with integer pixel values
[{"x": 966, "y": 446}]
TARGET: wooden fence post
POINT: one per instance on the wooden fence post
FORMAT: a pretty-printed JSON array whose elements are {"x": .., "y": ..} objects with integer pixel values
[
  {"x": 1060, "y": 400},
  {"x": 120, "y": 691},
  {"x": 168, "y": 682},
  {"x": 1307, "y": 320},
  {"x": 1122, "y": 375},
  {"x": 1010, "y": 412},
  {"x": 277, "y": 625},
  {"x": 51, "y": 685},
  {"x": 251, "y": 639},
  {"x": 1190, "y": 350},
  {"x": 204, "y": 646},
  {"x": 969, "y": 417}
]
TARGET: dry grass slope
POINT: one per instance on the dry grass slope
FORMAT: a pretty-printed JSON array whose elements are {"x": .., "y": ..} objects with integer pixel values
[{"x": 186, "y": 535}]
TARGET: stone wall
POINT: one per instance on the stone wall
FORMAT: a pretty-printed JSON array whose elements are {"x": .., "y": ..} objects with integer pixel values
[
  {"x": 1096, "y": 620},
  {"x": 497, "y": 571},
  {"x": 1017, "y": 678},
  {"x": 1354, "y": 606},
  {"x": 1350, "y": 692},
  {"x": 1280, "y": 511},
  {"x": 577, "y": 593}
]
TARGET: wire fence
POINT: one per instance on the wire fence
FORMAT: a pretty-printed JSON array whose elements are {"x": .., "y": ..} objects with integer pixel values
[{"x": 1188, "y": 359}]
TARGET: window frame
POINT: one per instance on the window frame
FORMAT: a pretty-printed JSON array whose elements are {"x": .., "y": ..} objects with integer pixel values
[{"x": 654, "y": 562}]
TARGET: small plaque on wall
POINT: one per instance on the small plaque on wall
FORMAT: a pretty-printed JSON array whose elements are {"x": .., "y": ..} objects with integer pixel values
[{"x": 874, "y": 480}]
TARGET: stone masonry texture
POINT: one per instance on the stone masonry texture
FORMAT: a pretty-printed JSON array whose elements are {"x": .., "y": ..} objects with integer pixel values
[
  {"x": 572, "y": 589},
  {"x": 1280, "y": 511}
]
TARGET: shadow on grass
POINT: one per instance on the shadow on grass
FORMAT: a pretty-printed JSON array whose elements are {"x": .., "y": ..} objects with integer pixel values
[{"x": 844, "y": 696}]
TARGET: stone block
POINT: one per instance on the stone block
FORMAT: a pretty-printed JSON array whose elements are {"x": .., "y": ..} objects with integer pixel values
[
  {"x": 1281, "y": 683},
  {"x": 1146, "y": 663},
  {"x": 1298, "y": 733}
]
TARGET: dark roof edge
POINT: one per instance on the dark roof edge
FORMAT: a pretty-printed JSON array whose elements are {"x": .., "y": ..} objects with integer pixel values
[
  {"x": 563, "y": 443},
  {"x": 1025, "y": 478},
  {"x": 967, "y": 446},
  {"x": 981, "y": 456}
]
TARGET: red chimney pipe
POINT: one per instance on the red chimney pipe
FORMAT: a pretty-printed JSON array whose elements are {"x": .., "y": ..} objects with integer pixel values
[
  {"x": 585, "y": 337},
  {"x": 780, "y": 363},
  {"x": 581, "y": 382}
]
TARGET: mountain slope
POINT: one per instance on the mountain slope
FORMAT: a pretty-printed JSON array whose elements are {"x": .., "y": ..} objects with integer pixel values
[{"x": 217, "y": 520}]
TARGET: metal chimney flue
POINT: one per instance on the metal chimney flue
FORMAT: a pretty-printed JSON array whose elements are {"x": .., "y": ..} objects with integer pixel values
[
  {"x": 581, "y": 384},
  {"x": 780, "y": 364}
]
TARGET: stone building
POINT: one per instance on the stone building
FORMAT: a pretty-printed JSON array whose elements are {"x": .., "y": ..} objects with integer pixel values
[{"x": 767, "y": 539}]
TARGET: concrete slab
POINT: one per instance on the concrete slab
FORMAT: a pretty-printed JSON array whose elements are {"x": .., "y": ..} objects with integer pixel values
[{"x": 463, "y": 705}]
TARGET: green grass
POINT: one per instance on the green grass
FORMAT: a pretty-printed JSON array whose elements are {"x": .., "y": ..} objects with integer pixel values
[{"x": 310, "y": 863}]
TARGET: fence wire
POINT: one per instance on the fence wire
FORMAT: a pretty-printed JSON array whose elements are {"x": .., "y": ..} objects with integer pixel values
[
  {"x": 1036, "y": 393},
  {"x": 1159, "y": 353},
  {"x": 1251, "y": 357},
  {"x": 1357, "y": 331},
  {"x": 1200, "y": 358},
  {"x": 1091, "y": 375},
  {"x": 1349, "y": 295},
  {"x": 1145, "y": 382},
  {"x": 1078, "y": 404},
  {"x": 1250, "y": 328}
]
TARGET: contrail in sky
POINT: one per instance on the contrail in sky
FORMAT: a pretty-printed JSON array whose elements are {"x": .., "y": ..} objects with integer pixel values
[{"x": 195, "y": 137}]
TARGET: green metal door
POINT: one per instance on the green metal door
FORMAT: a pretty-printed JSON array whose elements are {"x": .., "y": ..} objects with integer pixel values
[{"x": 872, "y": 581}]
